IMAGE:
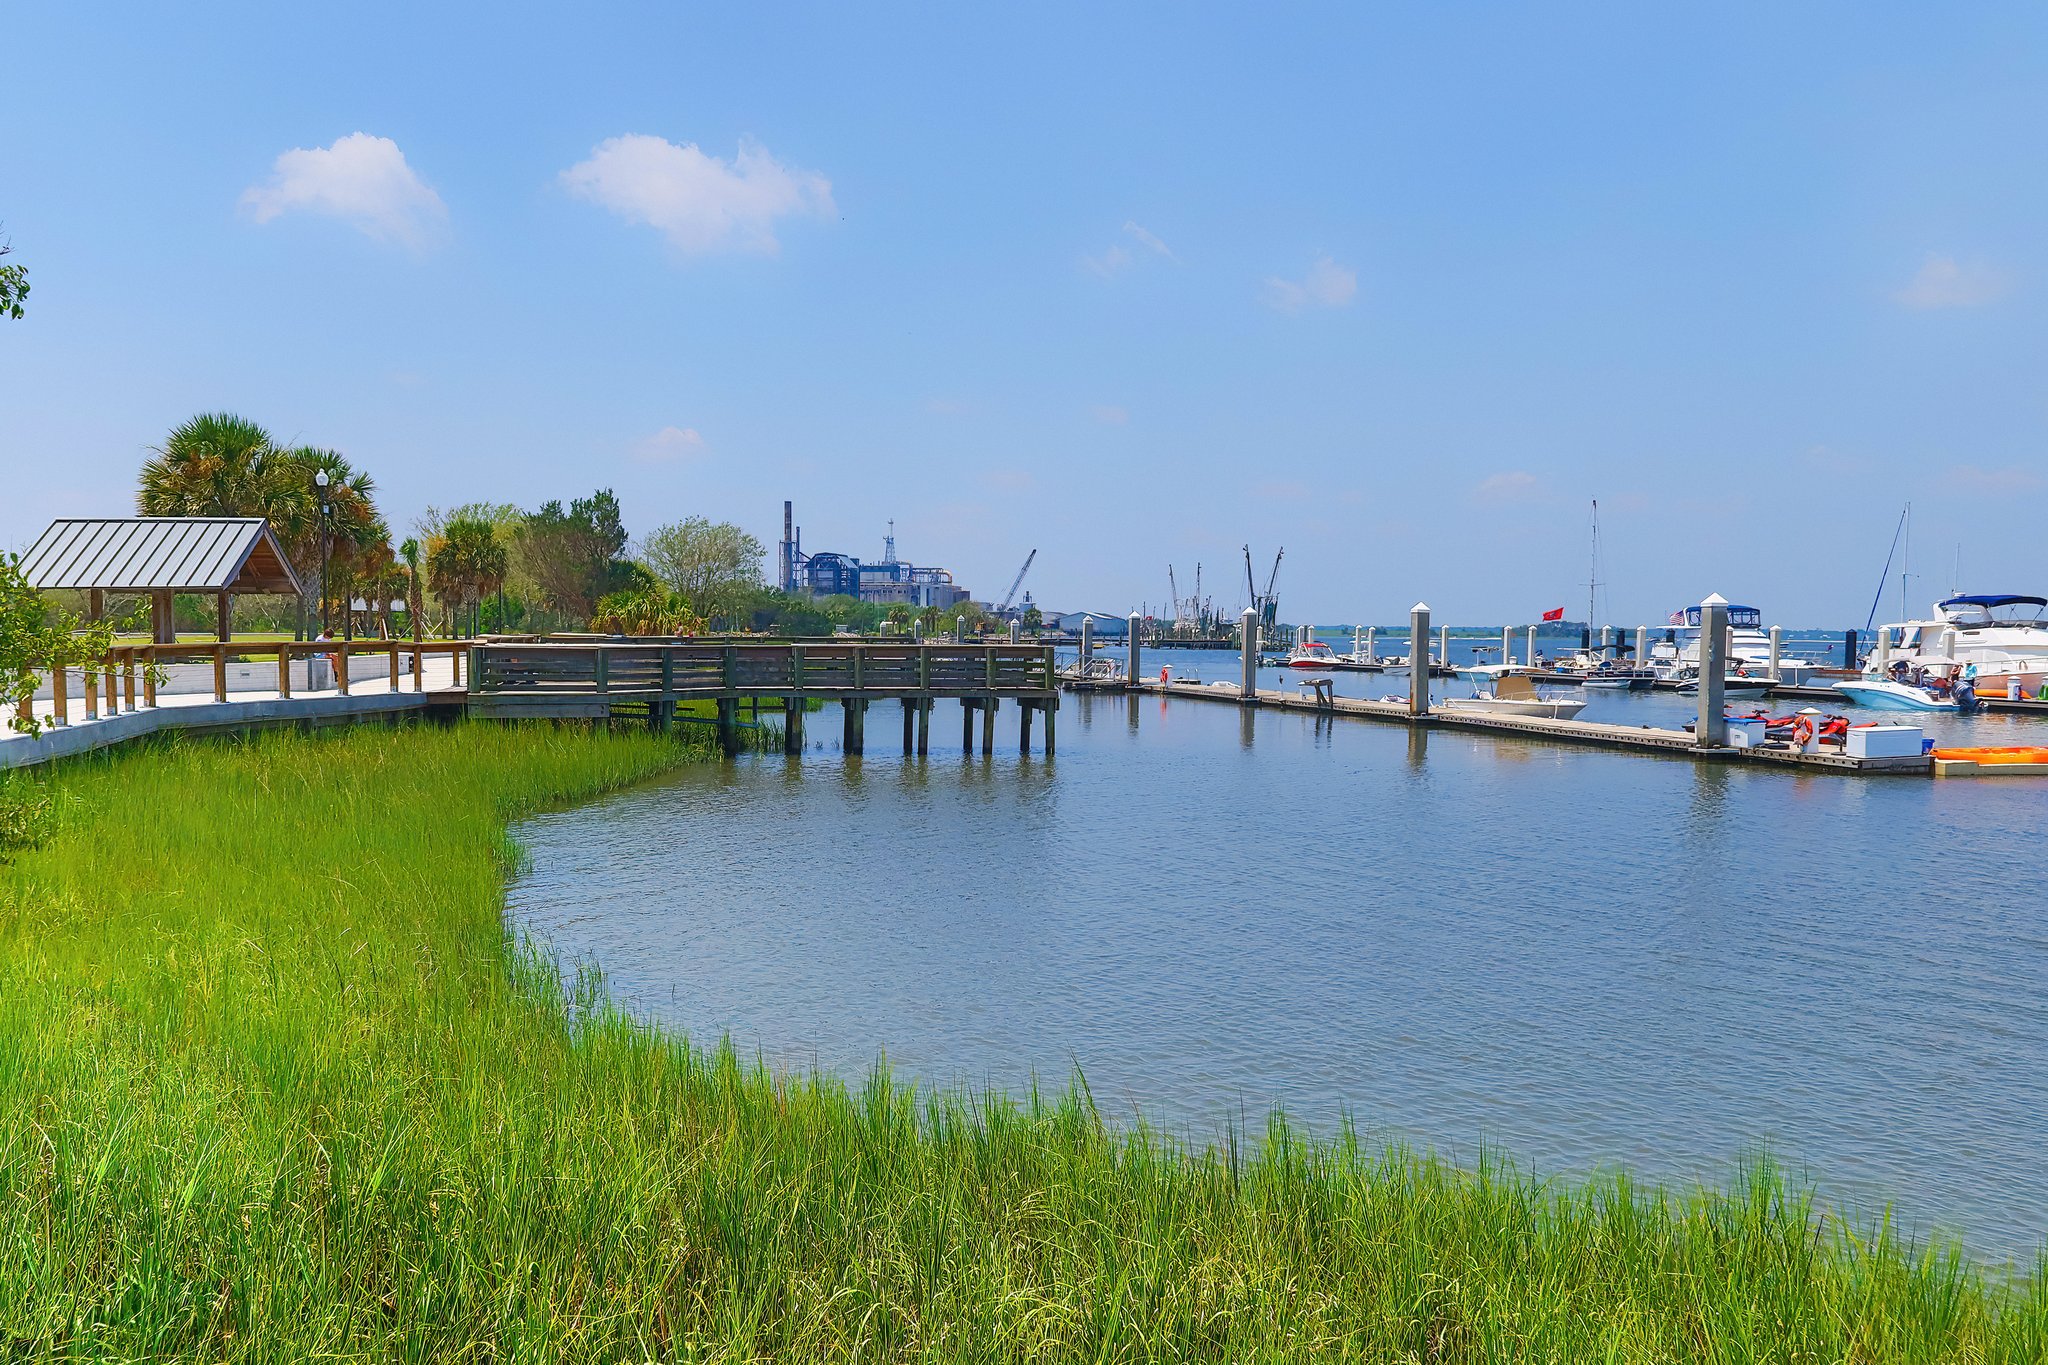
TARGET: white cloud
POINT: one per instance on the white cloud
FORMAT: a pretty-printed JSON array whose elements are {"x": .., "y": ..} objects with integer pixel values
[
  {"x": 1110, "y": 415},
  {"x": 1943, "y": 282},
  {"x": 2013, "y": 479},
  {"x": 1510, "y": 485},
  {"x": 1327, "y": 285},
  {"x": 669, "y": 444},
  {"x": 1117, "y": 258},
  {"x": 700, "y": 203},
  {"x": 361, "y": 179}
]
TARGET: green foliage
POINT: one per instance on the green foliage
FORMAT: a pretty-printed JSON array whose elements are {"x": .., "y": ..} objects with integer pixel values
[
  {"x": 276, "y": 1086},
  {"x": 647, "y": 611},
  {"x": 576, "y": 556},
  {"x": 714, "y": 566},
  {"x": 35, "y": 638},
  {"x": 13, "y": 286},
  {"x": 466, "y": 564},
  {"x": 27, "y": 814}
]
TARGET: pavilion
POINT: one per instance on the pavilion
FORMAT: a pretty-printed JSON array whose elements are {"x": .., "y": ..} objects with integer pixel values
[{"x": 160, "y": 557}]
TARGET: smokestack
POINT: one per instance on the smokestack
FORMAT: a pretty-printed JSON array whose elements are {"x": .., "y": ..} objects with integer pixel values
[{"x": 788, "y": 546}]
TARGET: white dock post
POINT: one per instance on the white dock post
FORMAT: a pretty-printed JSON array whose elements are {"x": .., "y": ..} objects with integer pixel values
[
  {"x": 1532, "y": 647},
  {"x": 1881, "y": 657},
  {"x": 1711, "y": 729},
  {"x": 1642, "y": 647},
  {"x": 1507, "y": 645},
  {"x": 1357, "y": 647},
  {"x": 1370, "y": 631},
  {"x": 1777, "y": 649},
  {"x": 1443, "y": 646},
  {"x": 1087, "y": 641},
  {"x": 1016, "y": 632},
  {"x": 960, "y": 630},
  {"x": 1134, "y": 624},
  {"x": 1248, "y": 642},
  {"x": 1418, "y": 659},
  {"x": 1607, "y": 642}
]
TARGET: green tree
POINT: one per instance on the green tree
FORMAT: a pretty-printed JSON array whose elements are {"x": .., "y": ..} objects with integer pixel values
[
  {"x": 713, "y": 566},
  {"x": 13, "y": 285},
  {"x": 415, "y": 591},
  {"x": 34, "y": 638},
  {"x": 576, "y": 555},
  {"x": 1033, "y": 619},
  {"x": 466, "y": 565}
]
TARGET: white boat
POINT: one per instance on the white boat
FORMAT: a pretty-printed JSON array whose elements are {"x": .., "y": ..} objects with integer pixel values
[
  {"x": 1515, "y": 695},
  {"x": 1732, "y": 685},
  {"x": 1882, "y": 694},
  {"x": 1311, "y": 654},
  {"x": 2002, "y": 636},
  {"x": 1749, "y": 648}
]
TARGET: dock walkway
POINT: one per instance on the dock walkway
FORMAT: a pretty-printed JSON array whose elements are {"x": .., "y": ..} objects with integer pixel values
[{"x": 1597, "y": 734}]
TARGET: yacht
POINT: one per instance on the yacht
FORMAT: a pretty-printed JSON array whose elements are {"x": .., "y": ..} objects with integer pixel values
[
  {"x": 1677, "y": 657},
  {"x": 2002, "y": 636}
]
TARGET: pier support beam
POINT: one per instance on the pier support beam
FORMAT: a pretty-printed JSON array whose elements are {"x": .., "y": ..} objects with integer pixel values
[
  {"x": 1136, "y": 623},
  {"x": 1507, "y": 645},
  {"x": 924, "y": 726},
  {"x": 988, "y": 726},
  {"x": 909, "y": 722},
  {"x": 1248, "y": 661},
  {"x": 853, "y": 729},
  {"x": 793, "y": 725},
  {"x": 1051, "y": 709},
  {"x": 1418, "y": 659},
  {"x": 1710, "y": 730},
  {"x": 1370, "y": 631},
  {"x": 1024, "y": 727},
  {"x": 729, "y": 724},
  {"x": 1443, "y": 646},
  {"x": 966, "y": 725}
]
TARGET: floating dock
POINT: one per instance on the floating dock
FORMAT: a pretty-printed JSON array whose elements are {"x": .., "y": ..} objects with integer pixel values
[{"x": 1596, "y": 734}]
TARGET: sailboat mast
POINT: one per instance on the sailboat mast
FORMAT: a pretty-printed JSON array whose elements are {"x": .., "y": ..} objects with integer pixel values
[
  {"x": 1906, "y": 566},
  {"x": 1593, "y": 577}
]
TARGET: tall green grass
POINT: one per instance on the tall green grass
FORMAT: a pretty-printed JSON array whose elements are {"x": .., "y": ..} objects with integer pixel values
[{"x": 275, "y": 1085}]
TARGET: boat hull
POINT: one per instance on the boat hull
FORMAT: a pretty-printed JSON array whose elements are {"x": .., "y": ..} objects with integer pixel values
[
  {"x": 1561, "y": 708},
  {"x": 1884, "y": 696}
]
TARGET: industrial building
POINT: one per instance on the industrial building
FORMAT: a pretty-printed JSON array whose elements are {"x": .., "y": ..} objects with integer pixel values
[{"x": 829, "y": 573}]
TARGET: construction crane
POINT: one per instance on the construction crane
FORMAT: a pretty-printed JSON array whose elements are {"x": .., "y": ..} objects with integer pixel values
[
  {"x": 1266, "y": 603},
  {"x": 1016, "y": 583}
]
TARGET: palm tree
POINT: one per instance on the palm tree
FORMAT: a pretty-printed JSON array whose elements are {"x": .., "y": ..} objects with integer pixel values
[
  {"x": 466, "y": 564},
  {"x": 215, "y": 465},
  {"x": 415, "y": 598}
]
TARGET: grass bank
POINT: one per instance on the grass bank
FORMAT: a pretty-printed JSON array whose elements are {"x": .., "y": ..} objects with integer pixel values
[{"x": 273, "y": 1084}]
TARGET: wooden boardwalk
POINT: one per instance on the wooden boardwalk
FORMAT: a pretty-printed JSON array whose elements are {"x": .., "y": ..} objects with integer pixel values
[
  {"x": 599, "y": 679},
  {"x": 1640, "y": 739}
]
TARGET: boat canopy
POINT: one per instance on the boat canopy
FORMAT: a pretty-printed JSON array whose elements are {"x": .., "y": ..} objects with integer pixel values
[{"x": 1993, "y": 607}]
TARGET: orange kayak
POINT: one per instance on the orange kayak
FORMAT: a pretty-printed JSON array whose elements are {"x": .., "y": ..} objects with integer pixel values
[{"x": 2025, "y": 753}]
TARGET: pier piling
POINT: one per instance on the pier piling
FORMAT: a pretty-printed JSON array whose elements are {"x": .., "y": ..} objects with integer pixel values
[
  {"x": 1024, "y": 728},
  {"x": 1418, "y": 659},
  {"x": 1016, "y": 632},
  {"x": 1135, "y": 624},
  {"x": 1087, "y": 643},
  {"x": 1777, "y": 649},
  {"x": 1248, "y": 662},
  {"x": 853, "y": 728},
  {"x": 1710, "y": 729},
  {"x": 1642, "y": 646},
  {"x": 988, "y": 726},
  {"x": 924, "y": 727},
  {"x": 1532, "y": 646},
  {"x": 793, "y": 725}
]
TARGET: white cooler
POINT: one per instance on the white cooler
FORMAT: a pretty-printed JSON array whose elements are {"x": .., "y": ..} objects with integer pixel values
[
  {"x": 1884, "y": 741},
  {"x": 1746, "y": 733}
]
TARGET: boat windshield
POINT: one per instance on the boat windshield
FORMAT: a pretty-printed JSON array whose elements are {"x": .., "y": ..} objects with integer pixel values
[{"x": 1994, "y": 609}]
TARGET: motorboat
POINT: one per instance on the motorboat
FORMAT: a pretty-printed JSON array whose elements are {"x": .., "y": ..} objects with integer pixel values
[
  {"x": 1594, "y": 669},
  {"x": 1883, "y": 694},
  {"x": 1749, "y": 648},
  {"x": 1515, "y": 695},
  {"x": 2002, "y": 636},
  {"x": 1732, "y": 685},
  {"x": 1311, "y": 654}
]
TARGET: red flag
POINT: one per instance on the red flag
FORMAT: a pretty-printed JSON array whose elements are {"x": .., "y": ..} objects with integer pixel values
[{"x": 1555, "y": 614}]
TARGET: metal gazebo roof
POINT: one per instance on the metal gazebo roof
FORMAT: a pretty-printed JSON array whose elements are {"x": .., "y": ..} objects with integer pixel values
[{"x": 160, "y": 554}]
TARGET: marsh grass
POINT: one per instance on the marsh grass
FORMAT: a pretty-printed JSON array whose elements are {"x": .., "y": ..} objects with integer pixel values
[{"x": 274, "y": 1084}]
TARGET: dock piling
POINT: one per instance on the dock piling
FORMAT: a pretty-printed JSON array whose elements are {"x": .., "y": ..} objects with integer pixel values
[
  {"x": 1443, "y": 645},
  {"x": 1087, "y": 642},
  {"x": 1016, "y": 632},
  {"x": 1248, "y": 661},
  {"x": 1710, "y": 729},
  {"x": 909, "y": 720},
  {"x": 988, "y": 726},
  {"x": 924, "y": 726},
  {"x": 1418, "y": 659},
  {"x": 1777, "y": 650},
  {"x": 793, "y": 725},
  {"x": 1135, "y": 624},
  {"x": 1507, "y": 645},
  {"x": 1642, "y": 646},
  {"x": 1024, "y": 728},
  {"x": 1532, "y": 647},
  {"x": 853, "y": 727}
]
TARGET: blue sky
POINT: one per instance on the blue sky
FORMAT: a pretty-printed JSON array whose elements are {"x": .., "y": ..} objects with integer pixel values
[{"x": 1400, "y": 287}]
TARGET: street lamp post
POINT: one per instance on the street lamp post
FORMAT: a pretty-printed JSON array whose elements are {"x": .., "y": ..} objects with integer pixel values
[{"x": 320, "y": 484}]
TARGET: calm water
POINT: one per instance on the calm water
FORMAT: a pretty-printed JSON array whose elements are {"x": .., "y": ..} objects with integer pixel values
[{"x": 1585, "y": 958}]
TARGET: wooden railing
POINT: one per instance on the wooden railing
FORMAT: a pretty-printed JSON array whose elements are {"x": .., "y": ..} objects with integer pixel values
[
  {"x": 126, "y": 678},
  {"x": 534, "y": 677}
]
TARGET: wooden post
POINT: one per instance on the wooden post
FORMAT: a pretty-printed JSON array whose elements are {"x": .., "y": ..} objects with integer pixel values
[
  {"x": 394, "y": 667},
  {"x": 91, "y": 679},
  {"x": 854, "y": 739},
  {"x": 988, "y": 726},
  {"x": 909, "y": 720},
  {"x": 96, "y": 604},
  {"x": 340, "y": 648},
  {"x": 224, "y": 615},
  {"x": 58, "y": 697},
  {"x": 455, "y": 663},
  {"x": 1052, "y": 708},
  {"x": 989, "y": 668},
  {"x": 149, "y": 681},
  {"x": 25, "y": 708},
  {"x": 220, "y": 671},
  {"x": 602, "y": 677},
  {"x": 128, "y": 675},
  {"x": 284, "y": 671},
  {"x": 1024, "y": 727},
  {"x": 729, "y": 724},
  {"x": 792, "y": 725},
  {"x": 967, "y": 725}
]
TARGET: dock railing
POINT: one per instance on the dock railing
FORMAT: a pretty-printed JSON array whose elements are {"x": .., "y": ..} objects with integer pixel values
[{"x": 126, "y": 677}]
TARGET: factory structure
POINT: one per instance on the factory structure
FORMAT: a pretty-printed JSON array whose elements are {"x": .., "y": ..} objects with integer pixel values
[{"x": 829, "y": 573}]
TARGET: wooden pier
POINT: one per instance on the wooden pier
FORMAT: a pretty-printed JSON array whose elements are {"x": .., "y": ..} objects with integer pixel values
[
  {"x": 597, "y": 679},
  {"x": 1639, "y": 739}
]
